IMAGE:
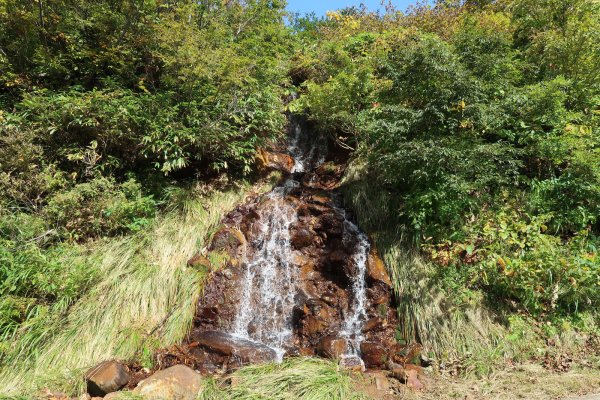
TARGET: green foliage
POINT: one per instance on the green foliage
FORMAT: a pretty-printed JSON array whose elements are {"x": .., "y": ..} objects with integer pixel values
[{"x": 479, "y": 125}]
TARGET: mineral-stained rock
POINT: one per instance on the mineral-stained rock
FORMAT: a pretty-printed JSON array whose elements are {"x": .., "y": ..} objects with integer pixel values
[
  {"x": 301, "y": 238},
  {"x": 372, "y": 324},
  {"x": 244, "y": 350},
  {"x": 408, "y": 374},
  {"x": 332, "y": 347},
  {"x": 176, "y": 383},
  {"x": 374, "y": 354},
  {"x": 278, "y": 161},
  {"x": 106, "y": 377},
  {"x": 376, "y": 268},
  {"x": 313, "y": 326}
]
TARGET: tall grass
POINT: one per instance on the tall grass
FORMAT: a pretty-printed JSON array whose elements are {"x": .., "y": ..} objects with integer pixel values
[
  {"x": 144, "y": 297},
  {"x": 295, "y": 378}
]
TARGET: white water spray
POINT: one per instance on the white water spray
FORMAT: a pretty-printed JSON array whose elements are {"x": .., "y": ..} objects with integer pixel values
[{"x": 269, "y": 285}]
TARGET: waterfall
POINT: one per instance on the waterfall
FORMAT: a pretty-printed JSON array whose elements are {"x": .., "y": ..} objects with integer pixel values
[{"x": 269, "y": 285}]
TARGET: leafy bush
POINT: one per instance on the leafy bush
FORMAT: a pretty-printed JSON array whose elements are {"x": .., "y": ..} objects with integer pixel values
[
  {"x": 100, "y": 207},
  {"x": 514, "y": 257}
]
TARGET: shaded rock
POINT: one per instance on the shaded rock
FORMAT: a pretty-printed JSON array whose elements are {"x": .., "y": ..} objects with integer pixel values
[
  {"x": 199, "y": 261},
  {"x": 176, "y": 383},
  {"x": 373, "y": 354},
  {"x": 278, "y": 161},
  {"x": 332, "y": 347},
  {"x": 244, "y": 350},
  {"x": 228, "y": 239},
  {"x": 301, "y": 238},
  {"x": 106, "y": 377}
]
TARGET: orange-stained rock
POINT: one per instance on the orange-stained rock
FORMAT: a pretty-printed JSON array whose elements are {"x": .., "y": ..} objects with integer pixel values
[
  {"x": 373, "y": 354},
  {"x": 228, "y": 239},
  {"x": 376, "y": 268},
  {"x": 278, "y": 161},
  {"x": 332, "y": 347}
]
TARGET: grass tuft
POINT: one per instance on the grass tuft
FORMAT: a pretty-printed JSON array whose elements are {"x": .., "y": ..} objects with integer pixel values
[{"x": 295, "y": 378}]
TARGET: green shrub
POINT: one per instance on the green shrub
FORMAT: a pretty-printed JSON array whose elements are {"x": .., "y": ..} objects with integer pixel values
[{"x": 100, "y": 207}]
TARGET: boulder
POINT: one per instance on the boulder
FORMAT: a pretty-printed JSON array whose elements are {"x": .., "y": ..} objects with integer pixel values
[
  {"x": 106, "y": 377},
  {"x": 373, "y": 324},
  {"x": 227, "y": 345},
  {"x": 175, "y": 383},
  {"x": 376, "y": 268},
  {"x": 278, "y": 161},
  {"x": 228, "y": 239},
  {"x": 373, "y": 354},
  {"x": 332, "y": 347}
]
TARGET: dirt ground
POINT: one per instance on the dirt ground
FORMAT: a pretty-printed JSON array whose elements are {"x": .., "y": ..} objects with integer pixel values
[{"x": 529, "y": 381}]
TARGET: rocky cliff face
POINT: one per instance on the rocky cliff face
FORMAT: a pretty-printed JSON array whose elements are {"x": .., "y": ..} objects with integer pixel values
[{"x": 301, "y": 278}]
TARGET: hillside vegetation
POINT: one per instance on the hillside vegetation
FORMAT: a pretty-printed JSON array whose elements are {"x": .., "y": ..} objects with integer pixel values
[{"x": 129, "y": 127}]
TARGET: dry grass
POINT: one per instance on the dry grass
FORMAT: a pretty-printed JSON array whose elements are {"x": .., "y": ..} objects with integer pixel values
[
  {"x": 294, "y": 379},
  {"x": 145, "y": 298},
  {"x": 528, "y": 381}
]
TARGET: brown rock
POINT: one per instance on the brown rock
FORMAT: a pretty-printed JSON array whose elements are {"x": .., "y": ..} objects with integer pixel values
[
  {"x": 244, "y": 350},
  {"x": 176, "y": 383},
  {"x": 372, "y": 324},
  {"x": 278, "y": 161},
  {"x": 301, "y": 238},
  {"x": 313, "y": 326},
  {"x": 373, "y": 354},
  {"x": 228, "y": 239},
  {"x": 199, "y": 261},
  {"x": 106, "y": 377},
  {"x": 332, "y": 347},
  {"x": 408, "y": 374},
  {"x": 376, "y": 268}
]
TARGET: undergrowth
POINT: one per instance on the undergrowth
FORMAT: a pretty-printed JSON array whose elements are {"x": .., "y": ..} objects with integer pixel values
[
  {"x": 144, "y": 297},
  {"x": 458, "y": 323}
]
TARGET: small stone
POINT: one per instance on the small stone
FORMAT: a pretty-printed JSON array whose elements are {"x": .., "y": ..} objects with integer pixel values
[
  {"x": 199, "y": 261},
  {"x": 106, "y": 377}
]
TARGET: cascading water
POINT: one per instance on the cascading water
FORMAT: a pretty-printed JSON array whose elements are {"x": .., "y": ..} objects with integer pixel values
[
  {"x": 265, "y": 311},
  {"x": 270, "y": 281},
  {"x": 354, "y": 320}
]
